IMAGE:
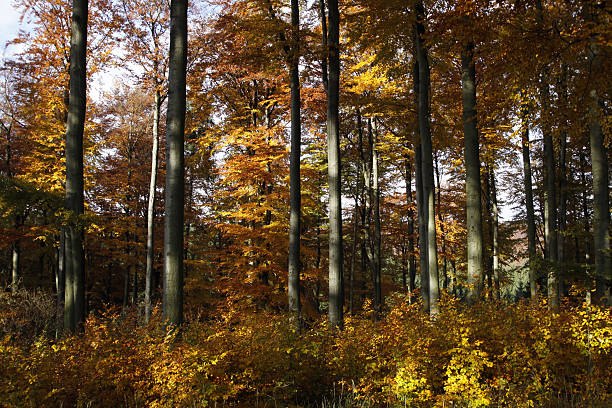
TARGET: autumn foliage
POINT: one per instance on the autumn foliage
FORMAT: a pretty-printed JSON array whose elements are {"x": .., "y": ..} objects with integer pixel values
[{"x": 518, "y": 355}]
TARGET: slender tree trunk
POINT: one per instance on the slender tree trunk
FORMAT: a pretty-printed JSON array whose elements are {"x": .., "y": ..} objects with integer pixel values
[
  {"x": 377, "y": 234},
  {"x": 472, "y": 176},
  {"x": 531, "y": 230},
  {"x": 74, "y": 313},
  {"x": 295, "y": 201},
  {"x": 60, "y": 282},
  {"x": 442, "y": 233},
  {"x": 411, "y": 262},
  {"x": 495, "y": 236},
  {"x": 175, "y": 175},
  {"x": 550, "y": 203},
  {"x": 151, "y": 208},
  {"x": 324, "y": 74},
  {"x": 336, "y": 317},
  {"x": 562, "y": 188},
  {"x": 15, "y": 261},
  {"x": 427, "y": 162},
  {"x": 488, "y": 219},
  {"x": 421, "y": 213},
  {"x": 353, "y": 255}
]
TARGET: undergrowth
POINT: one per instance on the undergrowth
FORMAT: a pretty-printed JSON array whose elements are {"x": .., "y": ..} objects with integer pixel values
[{"x": 491, "y": 354}]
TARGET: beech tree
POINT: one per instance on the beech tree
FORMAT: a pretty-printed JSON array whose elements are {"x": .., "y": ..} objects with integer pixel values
[
  {"x": 295, "y": 190},
  {"x": 175, "y": 173},
  {"x": 336, "y": 301},
  {"x": 74, "y": 306}
]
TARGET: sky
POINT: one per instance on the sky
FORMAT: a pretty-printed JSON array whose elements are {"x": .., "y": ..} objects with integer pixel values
[{"x": 9, "y": 25}]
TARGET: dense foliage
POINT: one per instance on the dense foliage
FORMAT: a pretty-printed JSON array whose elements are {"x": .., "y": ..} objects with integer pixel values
[{"x": 492, "y": 354}]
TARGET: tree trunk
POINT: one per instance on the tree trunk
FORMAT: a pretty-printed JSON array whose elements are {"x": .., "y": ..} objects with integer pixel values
[
  {"x": 151, "y": 209},
  {"x": 531, "y": 230},
  {"x": 175, "y": 176},
  {"x": 295, "y": 201},
  {"x": 601, "y": 212},
  {"x": 427, "y": 161},
  {"x": 472, "y": 175},
  {"x": 324, "y": 75},
  {"x": 442, "y": 233},
  {"x": 411, "y": 262},
  {"x": 495, "y": 236},
  {"x": 60, "y": 282},
  {"x": 15, "y": 261},
  {"x": 550, "y": 203},
  {"x": 376, "y": 272},
  {"x": 333, "y": 164},
  {"x": 421, "y": 213},
  {"x": 74, "y": 313},
  {"x": 353, "y": 255}
]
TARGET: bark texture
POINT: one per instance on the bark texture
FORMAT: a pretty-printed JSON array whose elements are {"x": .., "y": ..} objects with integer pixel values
[
  {"x": 336, "y": 300},
  {"x": 472, "y": 175},
  {"x": 175, "y": 175},
  {"x": 295, "y": 200},
  {"x": 74, "y": 304}
]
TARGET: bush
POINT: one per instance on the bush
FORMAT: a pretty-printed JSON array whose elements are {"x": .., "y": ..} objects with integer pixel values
[{"x": 519, "y": 355}]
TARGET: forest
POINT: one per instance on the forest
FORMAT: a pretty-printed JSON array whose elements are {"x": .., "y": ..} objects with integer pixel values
[{"x": 306, "y": 203}]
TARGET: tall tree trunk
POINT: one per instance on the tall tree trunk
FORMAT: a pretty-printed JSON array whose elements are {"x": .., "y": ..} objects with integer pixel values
[
  {"x": 175, "y": 175},
  {"x": 151, "y": 208},
  {"x": 550, "y": 203},
  {"x": 427, "y": 160},
  {"x": 421, "y": 213},
  {"x": 353, "y": 255},
  {"x": 336, "y": 300},
  {"x": 74, "y": 313},
  {"x": 411, "y": 262},
  {"x": 495, "y": 236},
  {"x": 601, "y": 195},
  {"x": 377, "y": 234},
  {"x": 472, "y": 175},
  {"x": 295, "y": 200},
  {"x": 531, "y": 229},
  {"x": 442, "y": 233}
]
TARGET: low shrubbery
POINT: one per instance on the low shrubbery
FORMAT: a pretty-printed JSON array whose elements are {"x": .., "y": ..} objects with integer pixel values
[{"x": 518, "y": 355}]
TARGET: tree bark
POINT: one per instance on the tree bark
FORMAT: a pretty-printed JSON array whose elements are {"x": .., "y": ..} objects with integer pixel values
[
  {"x": 295, "y": 200},
  {"x": 175, "y": 175},
  {"x": 151, "y": 209},
  {"x": 15, "y": 262},
  {"x": 531, "y": 229},
  {"x": 550, "y": 202},
  {"x": 411, "y": 262},
  {"x": 324, "y": 75},
  {"x": 336, "y": 300},
  {"x": 495, "y": 236},
  {"x": 601, "y": 207},
  {"x": 472, "y": 176},
  {"x": 421, "y": 213},
  {"x": 427, "y": 160},
  {"x": 74, "y": 312},
  {"x": 377, "y": 234}
]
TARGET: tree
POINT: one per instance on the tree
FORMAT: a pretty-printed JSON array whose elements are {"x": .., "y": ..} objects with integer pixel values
[
  {"x": 175, "y": 176},
  {"x": 472, "y": 173},
  {"x": 336, "y": 299},
  {"x": 427, "y": 169},
  {"x": 74, "y": 306},
  {"x": 294, "y": 176},
  {"x": 147, "y": 25}
]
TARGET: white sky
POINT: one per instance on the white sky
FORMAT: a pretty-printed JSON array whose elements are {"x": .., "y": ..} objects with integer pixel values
[{"x": 9, "y": 25}]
